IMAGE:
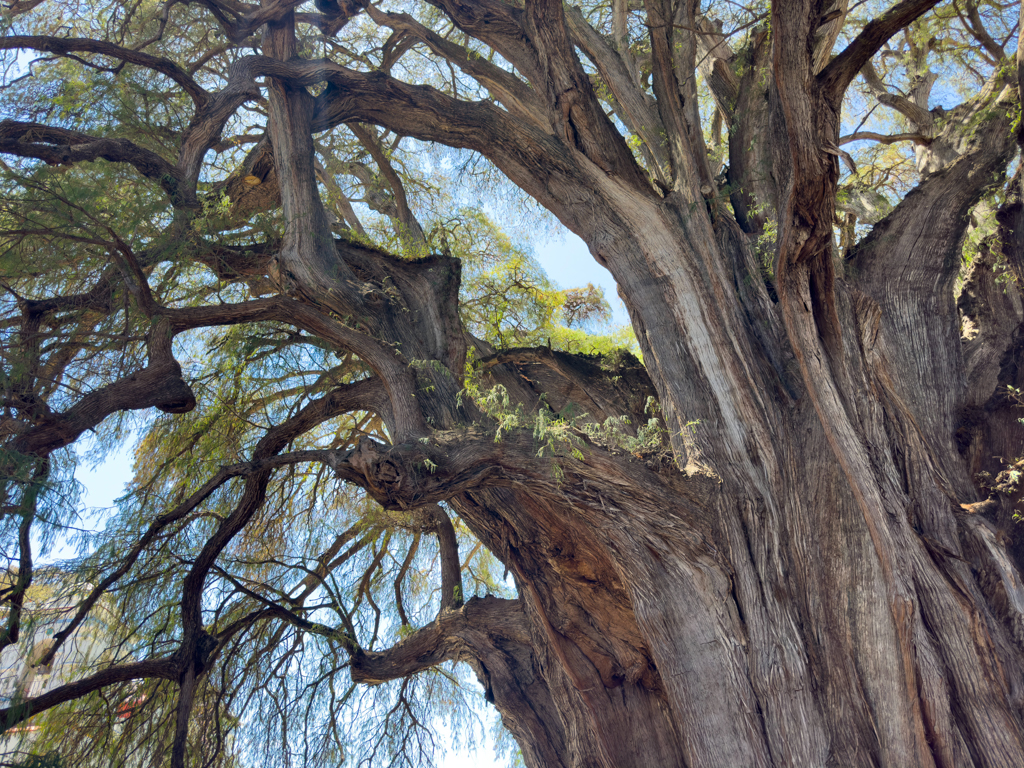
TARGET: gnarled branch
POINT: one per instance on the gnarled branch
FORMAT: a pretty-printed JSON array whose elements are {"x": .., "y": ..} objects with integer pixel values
[{"x": 63, "y": 46}]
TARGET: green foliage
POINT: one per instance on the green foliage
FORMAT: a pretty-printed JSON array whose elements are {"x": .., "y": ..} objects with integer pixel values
[
  {"x": 96, "y": 233},
  {"x": 566, "y": 435},
  {"x": 51, "y": 760}
]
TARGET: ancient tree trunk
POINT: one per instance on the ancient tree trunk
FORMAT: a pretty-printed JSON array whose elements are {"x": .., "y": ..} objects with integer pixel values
[
  {"x": 804, "y": 572},
  {"x": 810, "y": 589}
]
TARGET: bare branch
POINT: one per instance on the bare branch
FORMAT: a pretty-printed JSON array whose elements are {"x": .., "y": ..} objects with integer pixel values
[
  {"x": 400, "y": 577},
  {"x": 410, "y": 228},
  {"x": 451, "y": 568},
  {"x": 977, "y": 28},
  {"x": 881, "y": 138}
]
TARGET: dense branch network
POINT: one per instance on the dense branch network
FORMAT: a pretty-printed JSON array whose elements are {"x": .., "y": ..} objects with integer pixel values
[{"x": 307, "y": 374}]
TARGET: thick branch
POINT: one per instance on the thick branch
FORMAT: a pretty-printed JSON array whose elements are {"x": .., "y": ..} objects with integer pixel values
[
  {"x": 632, "y": 105},
  {"x": 674, "y": 54},
  {"x": 499, "y": 25},
  {"x": 341, "y": 12},
  {"x": 401, "y": 413},
  {"x": 62, "y": 46},
  {"x": 573, "y": 107},
  {"x": 60, "y": 146},
  {"x": 451, "y": 566},
  {"x": 917, "y": 138},
  {"x": 410, "y": 475},
  {"x": 162, "y": 669},
  {"x": 586, "y": 381},
  {"x": 158, "y": 385},
  {"x": 308, "y": 263},
  {"x": 919, "y": 116},
  {"x": 450, "y": 636},
  {"x": 715, "y": 63},
  {"x": 513, "y": 94},
  {"x": 410, "y": 227},
  {"x": 837, "y": 76}
]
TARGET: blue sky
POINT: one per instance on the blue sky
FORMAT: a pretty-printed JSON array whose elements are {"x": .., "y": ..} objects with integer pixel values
[{"x": 567, "y": 261}]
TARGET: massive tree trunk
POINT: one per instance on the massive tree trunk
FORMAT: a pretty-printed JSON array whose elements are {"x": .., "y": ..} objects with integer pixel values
[
  {"x": 803, "y": 574},
  {"x": 810, "y": 586}
]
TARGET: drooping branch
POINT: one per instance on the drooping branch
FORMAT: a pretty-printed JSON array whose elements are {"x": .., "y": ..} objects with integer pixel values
[
  {"x": 160, "y": 669},
  {"x": 60, "y": 146},
  {"x": 63, "y": 46},
  {"x": 345, "y": 635},
  {"x": 264, "y": 459},
  {"x": 13, "y": 598},
  {"x": 326, "y": 562},
  {"x": 403, "y": 571},
  {"x": 362, "y": 395}
]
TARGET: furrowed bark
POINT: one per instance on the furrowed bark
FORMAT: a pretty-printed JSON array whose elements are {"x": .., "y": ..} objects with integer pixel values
[{"x": 821, "y": 584}]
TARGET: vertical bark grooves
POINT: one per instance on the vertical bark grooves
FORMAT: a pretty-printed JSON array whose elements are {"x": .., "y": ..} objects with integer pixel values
[
  {"x": 307, "y": 262},
  {"x": 919, "y": 317},
  {"x": 822, "y": 604},
  {"x": 813, "y": 587},
  {"x": 589, "y": 656}
]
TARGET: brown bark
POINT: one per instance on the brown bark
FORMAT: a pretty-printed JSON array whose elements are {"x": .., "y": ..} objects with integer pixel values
[{"x": 800, "y": 574}]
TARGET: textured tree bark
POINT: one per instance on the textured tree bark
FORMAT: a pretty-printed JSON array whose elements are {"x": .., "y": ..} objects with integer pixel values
[
  {"x": 802, "y": 576},
  {"x": 822, "y": 603},
  {"x": 808, "y": 591}
]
